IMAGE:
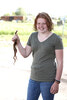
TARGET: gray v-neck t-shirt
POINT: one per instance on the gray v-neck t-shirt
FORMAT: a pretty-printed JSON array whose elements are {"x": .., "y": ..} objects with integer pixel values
[{"x": 43, "y": 67}]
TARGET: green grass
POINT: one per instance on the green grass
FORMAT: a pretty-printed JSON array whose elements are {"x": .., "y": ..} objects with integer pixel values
[
  {"x": 65, "y": 42},
  {"x": 7, "y": 30},
  {"x": 61, "y": 30},
  {"x": 10, "y": 28}
]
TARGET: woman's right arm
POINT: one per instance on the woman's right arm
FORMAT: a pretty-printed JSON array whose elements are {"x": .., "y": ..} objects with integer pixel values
[{"x": 25, "y": 52}]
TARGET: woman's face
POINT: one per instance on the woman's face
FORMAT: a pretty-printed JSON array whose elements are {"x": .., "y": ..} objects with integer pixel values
[{"x": 41, "y": 25}]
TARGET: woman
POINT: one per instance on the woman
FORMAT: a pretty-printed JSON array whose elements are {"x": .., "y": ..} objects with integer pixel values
[{"x": 45, "y": 47}]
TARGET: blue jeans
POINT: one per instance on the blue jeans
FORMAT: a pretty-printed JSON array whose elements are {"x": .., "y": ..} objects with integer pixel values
[{"x": 35, "y": 88}]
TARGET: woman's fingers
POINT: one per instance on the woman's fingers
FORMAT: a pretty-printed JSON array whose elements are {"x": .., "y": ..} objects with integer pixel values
[
  {"x": 16, "y": 38},
  {"x": 54, "y": 88}
]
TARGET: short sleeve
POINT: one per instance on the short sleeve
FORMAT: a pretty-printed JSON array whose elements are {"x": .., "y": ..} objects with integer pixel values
[
  {"x": 29, "y": 41},
  {"x": 58, "y": 43}
]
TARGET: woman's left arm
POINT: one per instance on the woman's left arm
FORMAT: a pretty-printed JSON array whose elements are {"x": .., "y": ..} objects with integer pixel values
[{"x": 59, "y": 59}]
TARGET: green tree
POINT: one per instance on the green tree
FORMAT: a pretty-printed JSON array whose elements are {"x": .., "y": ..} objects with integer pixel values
[
  {"x": 21, "y": 12},
  {"x": 7, "y": 14},
  {"x": 13, "y": 14}
]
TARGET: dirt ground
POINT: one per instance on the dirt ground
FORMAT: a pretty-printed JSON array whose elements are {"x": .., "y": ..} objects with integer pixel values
[{"x": 14, "y": 78}]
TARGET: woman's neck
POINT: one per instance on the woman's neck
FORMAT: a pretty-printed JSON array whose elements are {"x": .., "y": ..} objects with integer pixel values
[{"x": 44, "y": 36}]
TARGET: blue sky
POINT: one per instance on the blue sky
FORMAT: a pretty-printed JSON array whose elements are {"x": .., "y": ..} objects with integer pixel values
[{"x": 53, "y": 7}]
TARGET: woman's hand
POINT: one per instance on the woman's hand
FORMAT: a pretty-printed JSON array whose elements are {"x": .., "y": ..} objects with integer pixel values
[
  {"x": 16, "y": 38},
  {"x": 24, "y": 51},
  {"x": 54, "y": 88}
]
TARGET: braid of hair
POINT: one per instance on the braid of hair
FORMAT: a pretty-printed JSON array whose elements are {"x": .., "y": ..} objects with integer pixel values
[{"x": 15, "y": 49}]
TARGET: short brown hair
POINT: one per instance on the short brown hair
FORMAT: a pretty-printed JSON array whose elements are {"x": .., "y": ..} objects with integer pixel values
[{"x": 48, "y": 20}]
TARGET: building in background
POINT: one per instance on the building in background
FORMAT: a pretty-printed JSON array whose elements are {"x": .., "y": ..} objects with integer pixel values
[{"x": 10, "y": 18}]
